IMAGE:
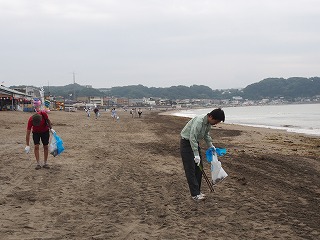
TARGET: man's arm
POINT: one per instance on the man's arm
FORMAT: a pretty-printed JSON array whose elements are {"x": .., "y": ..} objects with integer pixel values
[
  {"x": 49, "y": 123},
  {"x": 28, "y": 137},
  {"x": 46, "y": 118},
  {"x": 208, "y": 139}
]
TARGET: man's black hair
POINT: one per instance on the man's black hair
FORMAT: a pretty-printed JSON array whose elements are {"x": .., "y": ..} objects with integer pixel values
[{"x": 217, "y": 114}]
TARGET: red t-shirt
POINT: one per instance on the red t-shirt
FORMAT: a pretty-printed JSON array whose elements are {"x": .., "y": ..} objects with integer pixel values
[{"x": 42, "y": 127}]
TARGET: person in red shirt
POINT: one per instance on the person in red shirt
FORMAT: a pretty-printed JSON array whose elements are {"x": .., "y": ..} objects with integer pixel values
[{"x": 40, "y": 125}]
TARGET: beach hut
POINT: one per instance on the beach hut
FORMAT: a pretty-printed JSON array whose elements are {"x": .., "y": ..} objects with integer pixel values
[{"x": 11, "y": 99}]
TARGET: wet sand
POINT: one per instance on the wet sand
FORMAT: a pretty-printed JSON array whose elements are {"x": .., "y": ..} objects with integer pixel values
[{"x": 125, "y": 180}]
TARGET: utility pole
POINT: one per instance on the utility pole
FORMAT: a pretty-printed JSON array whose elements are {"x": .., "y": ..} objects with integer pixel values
[
  {"x": 74, "y": 86},
  {"x": 48, "y": 91}
]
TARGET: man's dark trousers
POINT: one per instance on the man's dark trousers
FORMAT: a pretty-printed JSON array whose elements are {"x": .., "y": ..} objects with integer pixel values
[{"x": 192, "y": 170}]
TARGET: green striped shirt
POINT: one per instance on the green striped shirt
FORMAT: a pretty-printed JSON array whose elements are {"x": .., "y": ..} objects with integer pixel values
[{"x": 196, "y": 129}]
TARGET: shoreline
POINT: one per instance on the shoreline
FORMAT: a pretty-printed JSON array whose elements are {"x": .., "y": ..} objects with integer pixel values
[
  {"x": 125, "y": 180},
  {"x": 285, "y": 127}
]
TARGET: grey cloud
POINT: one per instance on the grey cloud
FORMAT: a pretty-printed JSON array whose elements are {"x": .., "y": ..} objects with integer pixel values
[{"x": 222, "y": 44}]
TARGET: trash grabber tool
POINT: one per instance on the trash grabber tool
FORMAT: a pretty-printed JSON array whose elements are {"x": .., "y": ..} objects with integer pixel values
[{"x": 207, "y": 179}]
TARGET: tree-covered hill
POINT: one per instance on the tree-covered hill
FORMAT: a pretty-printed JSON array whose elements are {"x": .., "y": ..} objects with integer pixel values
[
  {"x": 279, "y": 87},
  {"x": 69, "y": 90},
  {"x": 290, "y": 88},
  {"x": 174, "y": 92}
]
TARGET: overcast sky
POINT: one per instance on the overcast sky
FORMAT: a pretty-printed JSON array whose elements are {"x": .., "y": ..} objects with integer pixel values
[{"x": 157, "y": 43}]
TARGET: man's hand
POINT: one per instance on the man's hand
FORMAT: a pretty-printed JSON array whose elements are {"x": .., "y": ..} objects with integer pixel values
[
  {"x": 214, "y": 148},
  {"x": 52, "y": 131},
  {"x": 197, "y": 160},
  {"x": 27, "y": 149}
]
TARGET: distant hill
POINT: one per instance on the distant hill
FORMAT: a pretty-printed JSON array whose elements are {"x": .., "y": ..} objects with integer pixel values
[
  {"x": 290, "y": 88},
  {"x": 140, "y": 91},
  {"x": 279, "y": 87},
  {"x": 78, "y": 90},
  {"x": 174, "y": 92}
]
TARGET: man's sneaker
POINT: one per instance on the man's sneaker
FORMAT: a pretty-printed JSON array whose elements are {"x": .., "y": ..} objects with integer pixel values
[
  {"x": 198, "y": 197},
  {"x": 46, "y": 166},
  {"x": 202, "y": 194},
  {"x": 37, "y": 167}
]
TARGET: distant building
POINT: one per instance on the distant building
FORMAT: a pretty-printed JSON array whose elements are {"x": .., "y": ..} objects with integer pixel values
[
  {"x": 98, "y": 101},
  {"x": 264, "y": 100},
  {"x": 11, "y": 99},
  {"x": 83, "y": 99},
  {"x": 237, "y": 98},
  {"x": 31, "y": 91},
  {"x": 109, "y": 101},
  {"x": 122, "y": 101},
  {"x": 136, "y": 102}
]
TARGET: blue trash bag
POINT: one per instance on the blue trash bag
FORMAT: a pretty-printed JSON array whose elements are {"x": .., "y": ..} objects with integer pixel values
[
  {"x": 210, "y": 152},
  {"x": 56, "y": 145},
  {"x": 60, "y": 146},
  {"x": 221, "y": 151}
]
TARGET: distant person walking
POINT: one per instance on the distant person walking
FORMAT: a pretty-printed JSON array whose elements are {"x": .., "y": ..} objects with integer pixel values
[
  {"x": 139, "y": 112},
  {"x": 196, "y": 129},
  {"x": 114, "y": 114},
  {"x": 133, "y": 112},
  {"x": 40, "y": 124},
  {"x": 96, "y": 112},
  {"x": 87, "y": 110}
]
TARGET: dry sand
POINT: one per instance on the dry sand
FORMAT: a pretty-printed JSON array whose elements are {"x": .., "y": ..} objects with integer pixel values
[{"x": 125, "y": 180}]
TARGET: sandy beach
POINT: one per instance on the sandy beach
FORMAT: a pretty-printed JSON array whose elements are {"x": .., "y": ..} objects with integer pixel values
[{"x": 125, "y": 180}]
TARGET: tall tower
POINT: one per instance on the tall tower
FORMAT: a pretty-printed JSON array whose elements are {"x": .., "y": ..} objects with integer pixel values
[{"x": 74, "y": 86}]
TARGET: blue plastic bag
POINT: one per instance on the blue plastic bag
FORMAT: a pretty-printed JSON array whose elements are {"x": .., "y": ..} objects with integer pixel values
[
  {"x": 210, "y": 152},
  {"x": 221, "y": 151},
  {"x": 56, "y": 145},
  {"x": 60, "y": 146}
]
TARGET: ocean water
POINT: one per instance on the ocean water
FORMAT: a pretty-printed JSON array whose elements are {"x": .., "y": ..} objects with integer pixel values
[{"x": 298, "y": 118}]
